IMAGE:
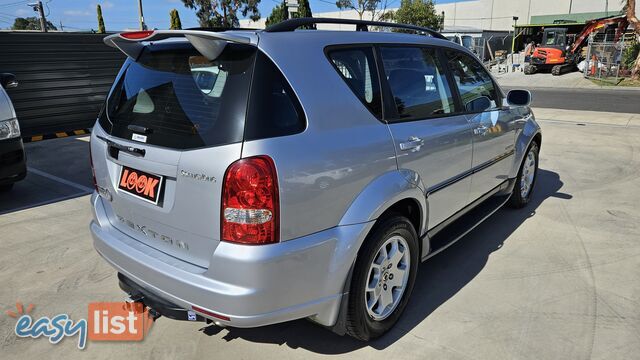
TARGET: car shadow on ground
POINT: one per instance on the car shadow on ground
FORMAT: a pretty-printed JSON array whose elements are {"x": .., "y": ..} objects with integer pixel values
[{"x": 439, "y": 279}]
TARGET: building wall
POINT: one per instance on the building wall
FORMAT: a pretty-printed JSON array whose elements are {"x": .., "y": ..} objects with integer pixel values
[
  {"x": 498, "y": 14},
  {"x": 486, "y": 14},
  {"x": 63, "y": 78}
]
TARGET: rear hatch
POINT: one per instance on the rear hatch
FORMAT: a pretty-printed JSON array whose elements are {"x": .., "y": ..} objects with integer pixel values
[{"x": 172, "y": 125}]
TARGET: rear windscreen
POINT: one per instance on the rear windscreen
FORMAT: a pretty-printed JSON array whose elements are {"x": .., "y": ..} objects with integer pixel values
[{"x": 180, "y": 99}]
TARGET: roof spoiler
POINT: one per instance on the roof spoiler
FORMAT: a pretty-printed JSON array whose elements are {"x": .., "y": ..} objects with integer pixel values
[{"x": 209, "y": 44}]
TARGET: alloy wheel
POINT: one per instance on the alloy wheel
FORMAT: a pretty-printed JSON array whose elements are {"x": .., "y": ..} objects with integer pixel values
[{"x": 387, "y": 278}]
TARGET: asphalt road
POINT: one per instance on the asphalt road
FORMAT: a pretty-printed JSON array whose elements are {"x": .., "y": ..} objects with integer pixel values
[
  {"x": 620, "y": 101},
  {"x": 556, "y": 280}
]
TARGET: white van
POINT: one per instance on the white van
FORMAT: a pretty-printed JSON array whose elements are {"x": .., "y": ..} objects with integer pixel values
[{"x": 12, "y": 159}]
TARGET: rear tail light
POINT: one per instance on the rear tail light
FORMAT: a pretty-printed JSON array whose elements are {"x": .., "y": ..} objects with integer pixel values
[
  {"x": 93, "y": 171},
  {"x": 250, "y": 205}
]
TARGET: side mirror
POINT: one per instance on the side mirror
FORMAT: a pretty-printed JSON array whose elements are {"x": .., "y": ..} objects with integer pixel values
[
  {"x": 519, "y": 98},
  {"x": 478, "y": 104},
  {"x": 8, "y": 81}
]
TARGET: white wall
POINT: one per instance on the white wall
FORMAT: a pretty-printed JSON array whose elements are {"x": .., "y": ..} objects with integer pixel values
[
  {"x": 484, "y": 14},
  {"x": 498, "y": 14}
]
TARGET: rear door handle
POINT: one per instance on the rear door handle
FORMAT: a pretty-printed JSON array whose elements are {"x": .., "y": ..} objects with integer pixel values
[
  {"x": 414, "y": 144},
  {"x": 128, "y": 149}
]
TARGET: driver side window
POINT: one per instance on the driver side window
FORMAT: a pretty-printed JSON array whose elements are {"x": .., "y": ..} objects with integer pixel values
[{"x": 475, "y": 85}]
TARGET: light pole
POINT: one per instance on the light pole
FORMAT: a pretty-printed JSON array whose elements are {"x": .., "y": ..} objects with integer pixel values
[
  {"x": 513, "y": 40},
  {"x": 292, "y": 8},
  {"x": 143, "y": 26},
  {"x": 43, "y": 20}
]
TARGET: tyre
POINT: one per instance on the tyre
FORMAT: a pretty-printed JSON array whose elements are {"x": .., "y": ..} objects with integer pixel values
[
  {"x": 526, "y": 179},
  {"x": 383, "y": 278},
  {"x": 4, "y": 188},
  {"x": 529, "y": 69}
]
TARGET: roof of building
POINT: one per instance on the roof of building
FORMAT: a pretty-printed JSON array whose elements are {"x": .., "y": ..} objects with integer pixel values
[{"x": 578, "y": 18}]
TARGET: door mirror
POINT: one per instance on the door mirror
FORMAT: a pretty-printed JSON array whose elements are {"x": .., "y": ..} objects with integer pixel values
[
  {"x": 519, "y": 98},
  {"x": 479, "y": 104},
  {"x": 8, "y": 81}
]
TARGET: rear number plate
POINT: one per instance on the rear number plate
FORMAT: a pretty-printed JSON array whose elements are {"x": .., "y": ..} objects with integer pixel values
[{"x": 140, "y": 184}]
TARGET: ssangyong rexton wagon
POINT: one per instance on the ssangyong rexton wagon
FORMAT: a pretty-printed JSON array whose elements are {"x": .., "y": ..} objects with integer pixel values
[{"x": 253, "y": 177}]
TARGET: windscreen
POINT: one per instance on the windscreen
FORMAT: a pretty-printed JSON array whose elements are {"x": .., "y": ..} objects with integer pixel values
[{"x": 178, "y": 98}]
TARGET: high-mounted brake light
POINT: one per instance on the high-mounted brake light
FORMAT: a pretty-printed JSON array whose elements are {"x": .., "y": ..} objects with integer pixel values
[
  {"x": 250, "y": 204},
  {"x": 137, "y": 35}
]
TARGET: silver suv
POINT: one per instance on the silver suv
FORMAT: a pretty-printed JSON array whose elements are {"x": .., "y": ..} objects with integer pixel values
[{"x": 253, "y": 177}]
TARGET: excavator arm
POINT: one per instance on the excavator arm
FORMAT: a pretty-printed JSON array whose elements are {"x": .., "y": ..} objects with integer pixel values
[{"x": 596, "y": 24}]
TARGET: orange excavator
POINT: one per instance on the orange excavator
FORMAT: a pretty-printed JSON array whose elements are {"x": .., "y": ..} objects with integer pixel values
[{"x": 562, "y": 53}]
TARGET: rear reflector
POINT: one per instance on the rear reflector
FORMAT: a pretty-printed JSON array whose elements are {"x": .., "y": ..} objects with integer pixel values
[
  {"x": 212, "y": 314},
  {"x": 136, "y": 35}
]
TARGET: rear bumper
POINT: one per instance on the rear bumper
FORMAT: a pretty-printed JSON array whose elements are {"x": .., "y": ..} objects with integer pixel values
[
  {"x": 251, "y": 285},
  {"x": 12, "y": 161}
]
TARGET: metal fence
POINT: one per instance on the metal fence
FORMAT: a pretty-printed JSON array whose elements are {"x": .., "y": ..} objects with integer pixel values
[
  {"x": 603, "y": 60},
  {"x": 497, "y": 48},
  {"x": 479, "y": 46},
  {"x": 63, "y": 78}
]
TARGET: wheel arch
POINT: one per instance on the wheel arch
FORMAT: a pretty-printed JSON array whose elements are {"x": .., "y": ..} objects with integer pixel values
[
  {"x": 388, "y": 194},
  {"x": 530, "y": 132},
  {"x": 391, "y": 191}
]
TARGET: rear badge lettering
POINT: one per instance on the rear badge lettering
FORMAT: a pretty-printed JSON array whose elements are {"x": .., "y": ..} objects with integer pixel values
[
  {"x": 201, "y": 177},
  {"x": 151, "y": 234},
  {"x": 138, "y": 137}
]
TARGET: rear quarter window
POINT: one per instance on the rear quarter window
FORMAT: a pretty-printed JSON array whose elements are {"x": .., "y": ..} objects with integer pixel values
[
  {"x": 357, "y": 67},
  {"x": 274, "y": 109}
]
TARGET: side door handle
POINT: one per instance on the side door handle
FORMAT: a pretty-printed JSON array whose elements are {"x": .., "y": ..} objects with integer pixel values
[
  {"x": 481, "y": 130},
  {"x": 414, "y": 144}
]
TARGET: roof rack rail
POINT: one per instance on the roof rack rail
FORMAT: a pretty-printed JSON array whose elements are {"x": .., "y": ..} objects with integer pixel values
[{"x": 361, "y": 25}]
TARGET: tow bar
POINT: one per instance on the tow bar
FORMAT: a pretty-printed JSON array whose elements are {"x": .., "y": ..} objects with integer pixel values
[{"x": 157, "y": 307}]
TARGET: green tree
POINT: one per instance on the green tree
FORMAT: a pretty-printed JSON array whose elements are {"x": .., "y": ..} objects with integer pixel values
[
  {"x": 30, "y": 23},
  {"x": 416, "y": 12},
  {"x": 176, "y": 24},
  {"x": 101, "y": 29},
  {"x": 359, "y": 6},
  {"x": 630, "y": 11},
  {"x": 304, "y": 9},
  {"x": 278, "y": 14},
  {"x": 223, "y": 13}
]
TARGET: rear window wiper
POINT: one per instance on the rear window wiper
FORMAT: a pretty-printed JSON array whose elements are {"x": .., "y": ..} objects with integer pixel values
[{"x": 128, "y": 149}]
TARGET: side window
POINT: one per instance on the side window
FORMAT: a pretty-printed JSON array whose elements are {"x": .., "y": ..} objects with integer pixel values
[
  {"x": 476, "y": 88},
  {"x": 357, "y": 68},
  {"x": 274, "y": 109},
  {"x": 417, "y": 81}
]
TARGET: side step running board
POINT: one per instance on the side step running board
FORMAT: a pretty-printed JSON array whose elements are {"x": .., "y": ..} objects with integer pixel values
[{"x": 464, "y": 224}]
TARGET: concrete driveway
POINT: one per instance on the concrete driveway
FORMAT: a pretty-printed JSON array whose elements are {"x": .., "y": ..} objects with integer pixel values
[{"x": 558, "y": 279}]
